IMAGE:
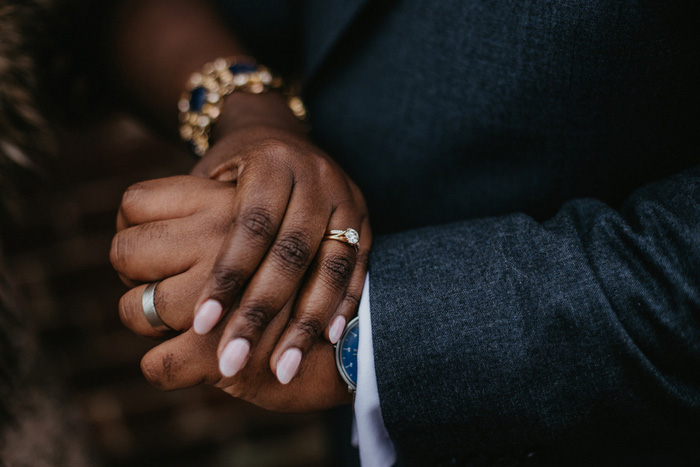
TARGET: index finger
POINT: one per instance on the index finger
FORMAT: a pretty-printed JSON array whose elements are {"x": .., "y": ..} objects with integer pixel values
[{"x": 165, "y": 198}]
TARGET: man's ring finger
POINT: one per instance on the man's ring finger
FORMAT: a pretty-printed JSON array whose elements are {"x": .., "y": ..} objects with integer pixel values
[{"x": 149, "y": 308}]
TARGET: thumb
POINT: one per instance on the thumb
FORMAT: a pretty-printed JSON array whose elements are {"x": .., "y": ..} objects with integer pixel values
[{"x": 183, "y": 361}]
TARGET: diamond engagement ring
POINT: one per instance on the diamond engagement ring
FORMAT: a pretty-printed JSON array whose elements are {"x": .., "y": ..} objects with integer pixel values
[
  {"x": 149, "y": 308},
  {"x": 349, "y": 236}
]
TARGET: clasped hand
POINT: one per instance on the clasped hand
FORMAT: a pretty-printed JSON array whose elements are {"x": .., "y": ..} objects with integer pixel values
[{"x": 245, "y": 274}]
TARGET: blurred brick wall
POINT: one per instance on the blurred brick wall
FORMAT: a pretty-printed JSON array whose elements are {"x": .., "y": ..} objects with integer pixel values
[{"x": 59, "y": 254}]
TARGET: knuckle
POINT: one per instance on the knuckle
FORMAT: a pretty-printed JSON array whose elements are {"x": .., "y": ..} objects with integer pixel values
[
  {"x": 227, "y": 281},
  {"x": 353, "y": 300},
  {"x": 309, "y": 327},
  {"x": 293, "y": 251},
  {"x": 336, "y": 270},
  {"x": 119, "y": 251},
  {"x": 126, "y": 310},
  {"x": 258, "y": 223},
  {"x": 256, "y": 316},
  {"x": 273, "y": 148},
  {"x": 125, "y": 244},
  {"x": 155, "y": 230},
  {"x": 326, "y": 169},
  {"x": 132, "y": 196}
]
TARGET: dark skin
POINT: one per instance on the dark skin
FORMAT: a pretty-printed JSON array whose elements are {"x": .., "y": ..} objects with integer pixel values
[
  {"x": 176, "y": 227},
  {"x": 271, "y": 256}
]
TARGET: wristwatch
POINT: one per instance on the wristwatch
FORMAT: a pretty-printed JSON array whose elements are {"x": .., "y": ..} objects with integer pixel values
[{"x": 346, "y": 353}]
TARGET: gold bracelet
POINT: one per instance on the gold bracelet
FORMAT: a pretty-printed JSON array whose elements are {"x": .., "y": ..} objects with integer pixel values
[{"x": 200, "y": 105}]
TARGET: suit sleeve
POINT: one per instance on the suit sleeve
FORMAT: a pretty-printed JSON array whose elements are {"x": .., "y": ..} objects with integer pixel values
[{"x": 508, "y": 338}]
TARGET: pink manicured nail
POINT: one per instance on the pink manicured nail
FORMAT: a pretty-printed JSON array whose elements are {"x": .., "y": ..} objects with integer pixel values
[
  {"x": 337, "y": 328},
  {"x": 288, "y": 365},
  {"x": 234, "y": 356},
  {"x": 207, "y": 316}
]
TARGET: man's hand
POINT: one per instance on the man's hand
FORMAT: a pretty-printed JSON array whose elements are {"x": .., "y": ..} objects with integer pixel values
[{"x": 169, "y": 230}]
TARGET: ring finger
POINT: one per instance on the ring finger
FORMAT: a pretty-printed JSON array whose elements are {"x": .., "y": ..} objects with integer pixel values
[
  {"x": 173, "y": 300},
  {"x": 321, "y": 296}
]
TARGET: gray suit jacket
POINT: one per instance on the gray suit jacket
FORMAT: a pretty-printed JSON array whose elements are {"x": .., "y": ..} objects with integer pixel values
[{"x": 530, "y": 167}]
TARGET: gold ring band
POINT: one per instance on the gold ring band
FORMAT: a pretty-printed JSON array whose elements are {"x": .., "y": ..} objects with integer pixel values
[{"x": 349, "y": 236}]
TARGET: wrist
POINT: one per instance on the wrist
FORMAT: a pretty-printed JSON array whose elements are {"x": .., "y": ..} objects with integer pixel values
[
  {"x": 202, "y": 104},
  {"x": 246, "y": 134},
  {"x": 243, "y": 110}
]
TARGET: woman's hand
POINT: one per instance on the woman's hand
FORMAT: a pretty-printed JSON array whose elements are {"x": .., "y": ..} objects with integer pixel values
[
  {"x": 289, "y": 195},
  {"x": 288, "y": 192}
]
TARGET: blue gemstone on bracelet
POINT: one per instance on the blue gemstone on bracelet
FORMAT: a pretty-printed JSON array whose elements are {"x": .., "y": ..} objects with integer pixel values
[
  {"x": 242, "y": 68},
  {"x": 198, "y": 97}
]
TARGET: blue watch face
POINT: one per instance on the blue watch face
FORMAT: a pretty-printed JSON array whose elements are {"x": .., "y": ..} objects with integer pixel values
[{"x": 346, "y": 352}]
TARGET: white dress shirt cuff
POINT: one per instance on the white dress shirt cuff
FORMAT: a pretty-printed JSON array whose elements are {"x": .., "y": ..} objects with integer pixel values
[{"x": 376, "y": 448}]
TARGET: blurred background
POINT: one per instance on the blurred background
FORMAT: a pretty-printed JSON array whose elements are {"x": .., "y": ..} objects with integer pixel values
[{"x": 59, "y": 253}]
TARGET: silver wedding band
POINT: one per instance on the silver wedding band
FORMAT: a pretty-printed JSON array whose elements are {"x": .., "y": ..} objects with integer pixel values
[
  {"x": 349, "y": 236},
  {"x": 149, "y": 308}
]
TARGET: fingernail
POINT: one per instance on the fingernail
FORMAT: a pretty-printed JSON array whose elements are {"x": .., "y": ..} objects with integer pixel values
[
  {"x": 207, "y": 316},
  {"x": 234, "y": 356},
  {"x": 288, "y": 365},
  {"x": 337, "y": 328}
]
